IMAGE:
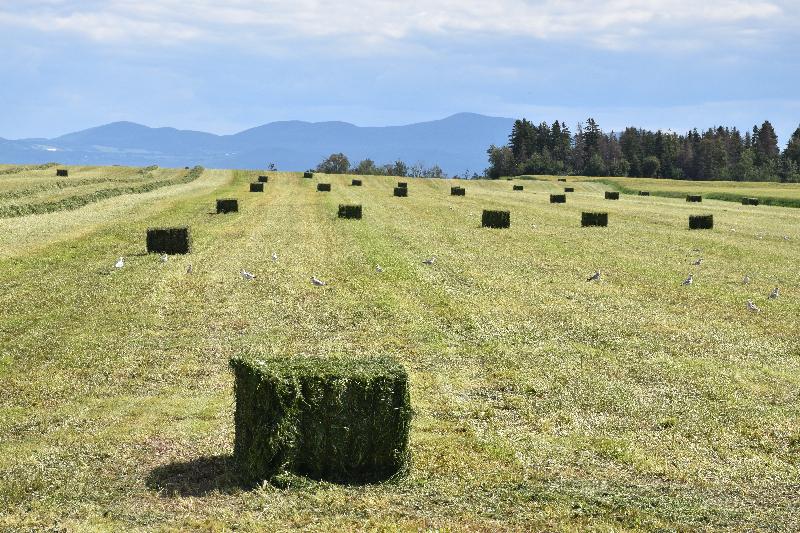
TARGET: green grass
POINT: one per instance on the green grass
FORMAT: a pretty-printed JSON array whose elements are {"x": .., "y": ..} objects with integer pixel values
[{"x": 541, "y": 401}]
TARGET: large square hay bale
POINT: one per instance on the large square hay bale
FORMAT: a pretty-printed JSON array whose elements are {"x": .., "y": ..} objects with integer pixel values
[
  {"x": 227, "y": 205},
  {"x": 62, "y": 172},
  {"x": 644, "y": 193},
  {"x": 496, "y": 219},
  {"x": 401, "y": 192},
  {"x": 701, "y": 222},
  {"x": 402, "y": 184},
  {"x": 356, "y": 183},
  {"x": 594, "y": 219},
  {"x": 694, "y": 198},
  {"x": 169, "y": 241},
  {"x": 323, "y": 187},
  {"x": 308, "y": 175},
  {"x": 569, "y": 189},
  {"x": 458, "y": 191},
  {"x": 612, "y": 195},
  {"x": 518, "y": 187},
  {"x": 750, "y": 201},
  {"x": 558, "y": 198},
  {"x": 350, "y": 211},
  {"x": 257, "y": 187},
  {"x": 334, "y": 418},
  {"x": 263, "y": 179}
]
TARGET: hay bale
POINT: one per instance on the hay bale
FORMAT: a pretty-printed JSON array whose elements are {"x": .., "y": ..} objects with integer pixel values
[
  {"x": 308, "y": 175},
  {"x": 496, "y": 219},
  {"x": 694, "y": 198},
  {"x": 263, "y": 179},
  {"x": 169, "y": 241},
  {"x": 569, "y": 189},
  {"x": 594, "y": 219},
  {"x": 356, "y": 183},
  {"x": 401, "y": 192},
  {"x": 458, "y": 191},
  {"x": 402, "y": 184},
  {"x": 350, "y": 211},
  {"x": 518, "y": 187},
  {"x": 750, "y": 201},
  {"x": 701, "y": 222},
  {"x": 257, "y": 187},
  {"x": 335, "y": 418},
  {"x": 644, "y": 193},
  {"x": 323, "y": 187},
  {"x": 227, "y": 205},
  {"x": 563, "y": 180},
  {"x": 612, "y": 195},
  {"x": 62, "y": 172},
  {"x": 558, "y": 198}
]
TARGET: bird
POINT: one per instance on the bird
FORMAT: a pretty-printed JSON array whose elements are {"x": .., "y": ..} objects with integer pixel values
[
  {"x": 698, "y": 262},
  {"x": 689, "y": 280},
  {"x": 430, "y": 261},
  {"x": 247, "y": 275},
  {"x": 746, "y": 279},
  {"x": 594, "y": 277},
  {"x": 774, "y": 294},
  {"x": 189, "y": 269},
  {"x": 120, "y": 263},
  {"x": 317, "y": 282},
  {"x": 274, "y": 256},
  {"x": 785, "y": 237},
  {"x": 164, "y": 258},
  {"x": 378, "y": 268},
  {"x": 752, "y": 307}
]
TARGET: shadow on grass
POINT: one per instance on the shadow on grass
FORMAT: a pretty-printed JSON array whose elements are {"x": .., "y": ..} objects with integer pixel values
[{"x": 197, "y": 477}]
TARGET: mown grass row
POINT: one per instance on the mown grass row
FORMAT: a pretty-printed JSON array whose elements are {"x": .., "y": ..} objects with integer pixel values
[
  {"x": 52, "y": 186},
  {"x": 78, "y": 201},
  {"x": 26, "y": 168}
]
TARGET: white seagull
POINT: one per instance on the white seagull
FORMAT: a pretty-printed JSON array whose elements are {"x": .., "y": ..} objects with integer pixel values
[
  {"x": 698, "y": 262},
  {"x": 164, "y": 258},
  {"x": 746, "y": 279},
  {"x": 120, "y": 263},
  {"x": 752, "y": 307},
  {"x": 430, "y": 261},
  {"x": 189, "y": 269},
  {"x": 775, "y": 293},
  {"x": 378, "y": 268},
  {"x": 689, "y": 280},
  {"x": 317, "y": 282},
  {"x": 247, "y": 275},
  {"x": 274, "y": 256},
  {"x": 594, "y": 277}
]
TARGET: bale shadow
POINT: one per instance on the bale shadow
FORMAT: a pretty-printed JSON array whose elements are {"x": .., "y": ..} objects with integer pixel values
[{"x": 197, "y": 477}]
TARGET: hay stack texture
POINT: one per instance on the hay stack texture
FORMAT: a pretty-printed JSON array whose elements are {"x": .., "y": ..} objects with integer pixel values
[
  {"x": 308, "y": 175},
  {"x": 558, "y": 198},
  {"x": 350, "y": 211},
  {"x": 518, "y": 187},
  {"x": 356, "y": 183},
  {"x": 694, "y": 198},
  {"x": 402, "y": 184},
  {"x": 701, "y": 222},
  {"x": 169, "y": 241},
  {"x": 569, "y": 189},
  {"x": 458, "y": 191},
  {"x": 323, "y": 187},
  {"x": 332, "y": 418},
  {"x": 256, "y": 187},
  {"x": 496, "y": 219},
  {"x": 227, "y": 205},
  {"x": 612, "y": 195},
  {"x": 594, "y": 219},
  {"x": 62, "y": 172},
  {"x": 401, "y": 191},
  {"x": 263, "y": 179}
]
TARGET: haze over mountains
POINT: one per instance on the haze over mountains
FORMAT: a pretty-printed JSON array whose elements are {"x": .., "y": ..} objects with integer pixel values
[{"x": 457, "y": 144}]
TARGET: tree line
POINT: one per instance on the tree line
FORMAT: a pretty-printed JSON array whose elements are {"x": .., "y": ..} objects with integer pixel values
[
  {"x": 340, "y": 164},
  {"x": 715, "y": 154}
]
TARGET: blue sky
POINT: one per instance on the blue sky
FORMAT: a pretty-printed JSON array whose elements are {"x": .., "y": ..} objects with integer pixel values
[{"x": 226, "y": 66}]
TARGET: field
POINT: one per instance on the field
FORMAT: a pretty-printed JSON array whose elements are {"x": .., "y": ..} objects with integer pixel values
[{"x": 542, "y": 401}]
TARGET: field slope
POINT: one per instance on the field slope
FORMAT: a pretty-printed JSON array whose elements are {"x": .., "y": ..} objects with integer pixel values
[{"x": 541, "y": 401}]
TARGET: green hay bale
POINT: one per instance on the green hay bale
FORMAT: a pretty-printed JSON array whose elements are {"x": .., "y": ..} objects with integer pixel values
[
  {"x": 62, "y": 172},
  {"x": 350, "y": 211},
  {"x": 750, "y": 201},
  {"x": 612, "y": 195},
  {"x": 263, "y": 179},
  {"x": 402, "y": 184},
  {"x": 644, "y": 193},
  {"x": 308, "y": 175},
  {"x": 458, "y": 191},
  {"x": 401, "y": 192},
  {"x": 169, "y": 241},
  {"x": 256, "y": 187},
  {"x": 563, "y": 180},
  {"x": 694, "y": 198},
  {"x": 496, "y": 219},
  {"x": 701, "y": 222},
  {"x": 518, "y": 187},
  {"x": 323, "y": 187},
  {"x": 558, "y": 198},
  {"x": 569, "y": 189},
  {"x": 356, "y": 183},
  {"x": 227, "y": 205},
  {"x": 333, "y": 418},
  {"x": 594, "y": 219}
]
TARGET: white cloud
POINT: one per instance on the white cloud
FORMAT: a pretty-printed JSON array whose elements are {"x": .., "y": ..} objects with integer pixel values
[{"x": 613, "y": 24}]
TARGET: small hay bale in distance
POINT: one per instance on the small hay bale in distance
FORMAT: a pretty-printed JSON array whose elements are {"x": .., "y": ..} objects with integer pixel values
[
  {"x": 750, "y": 201},
  {"x": 401, "y": 192},
  {"x": 558, "y": 198},
  {"x": 612, "y": 195},
  {"x": 458, "y": 191},
  {"x": 644, "y": 193},
  {"x": 701, "y": 222},
  {"x": 589, "y": 219},
  {"x": 170, "y": 241},
  {"x": 355, "y": 183},
  {"x": 569, "y": 189},
  {"x": 263, "y": 179},
  {"x": 694, "y": 198},
  {"x": 257, "y": 187},
  {"x": 350, "y": 211},
  {"x": 342, "y": 419},
  {"x": 227, "y": 205},
  {"x": 308, "y": 175},
  {"x": 496, "y": 219},
  {"x": 323, "y": 187},
  {"x": 518, "y": 187},
  {"x": 562, "y": 180},
  {"x": 402, "y": 184},
  {"x": 62, "y": 172}
]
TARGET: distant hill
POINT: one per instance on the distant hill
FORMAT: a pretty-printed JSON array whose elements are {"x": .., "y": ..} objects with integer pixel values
[{"x": 456, "y": 143}]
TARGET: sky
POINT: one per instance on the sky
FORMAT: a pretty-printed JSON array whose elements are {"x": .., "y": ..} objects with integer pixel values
[{"x": 225, "y": 66}]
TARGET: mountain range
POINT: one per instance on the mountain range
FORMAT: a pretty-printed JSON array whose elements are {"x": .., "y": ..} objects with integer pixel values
[{"x": 457, "y": 144}]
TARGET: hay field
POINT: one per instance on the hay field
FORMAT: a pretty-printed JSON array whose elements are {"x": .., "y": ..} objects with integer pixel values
[{"x": 542, "y": 401}]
